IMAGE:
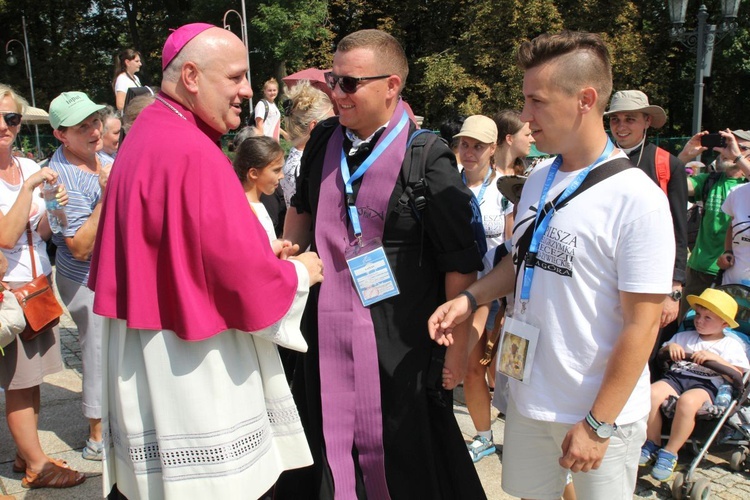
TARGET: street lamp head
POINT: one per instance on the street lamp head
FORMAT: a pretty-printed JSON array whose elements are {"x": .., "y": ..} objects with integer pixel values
[
  {"x": 11, "y": 59},
  {"x": 729, "y": 9},
  {"x": 678, "y": 11}
]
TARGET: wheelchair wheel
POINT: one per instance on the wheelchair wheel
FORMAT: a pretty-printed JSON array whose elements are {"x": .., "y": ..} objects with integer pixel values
[
  {"x": 737, "y": 460},
  {"x": 701, "y": 489},
  {"x": 677, "y": 486}
]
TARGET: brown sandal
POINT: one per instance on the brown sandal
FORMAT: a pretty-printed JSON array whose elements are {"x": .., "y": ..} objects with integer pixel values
[
  {"x": 53, "y": 476},
  {"x": 19, "y": 464}
]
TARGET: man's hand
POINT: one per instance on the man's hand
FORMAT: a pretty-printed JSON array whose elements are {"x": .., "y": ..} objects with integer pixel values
[
  {"x": 446, "y": 317},
  {"x": 669, "y": 312},
  {"x": 692, "y": 147},
  {"x": 582, "y": 449}
]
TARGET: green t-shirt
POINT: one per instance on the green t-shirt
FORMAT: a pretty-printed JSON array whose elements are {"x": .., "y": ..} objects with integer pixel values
[{"x": 709, "y": 244}]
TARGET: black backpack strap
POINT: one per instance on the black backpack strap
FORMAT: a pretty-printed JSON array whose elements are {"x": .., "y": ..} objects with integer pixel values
[
  {"x": 712, "y": 179},
  {"x": 413, "y": 169},
  {"x": 594, "y": 177},
  {"x": 265, "y": 103}
]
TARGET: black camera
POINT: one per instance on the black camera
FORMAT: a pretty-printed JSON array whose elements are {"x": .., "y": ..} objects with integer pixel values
[{"x": 713, "y": 141}]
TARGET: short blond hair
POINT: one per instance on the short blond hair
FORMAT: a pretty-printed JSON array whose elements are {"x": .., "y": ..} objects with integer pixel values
[
  {"x": 388, "y": 52},
  {"x": 21, "y": 103}
]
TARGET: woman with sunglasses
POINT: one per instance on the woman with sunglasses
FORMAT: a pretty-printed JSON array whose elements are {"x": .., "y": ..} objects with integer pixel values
[
  {"x": 127, "y": 64},
  {"x": 77, "y": 124},
  {"x": 305, "y": 107},
  {"x": 26, "y": 363}
]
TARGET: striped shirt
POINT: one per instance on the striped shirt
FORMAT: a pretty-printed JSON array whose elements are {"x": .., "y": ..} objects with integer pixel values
[{"x": 83, "y": 195}]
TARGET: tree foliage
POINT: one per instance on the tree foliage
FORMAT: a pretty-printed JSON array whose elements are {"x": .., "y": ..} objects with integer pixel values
[{"x": 461, "y": 52}]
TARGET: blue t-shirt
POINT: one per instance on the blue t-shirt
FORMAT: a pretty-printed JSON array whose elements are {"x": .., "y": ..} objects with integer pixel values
[{"x": 83, "y": 195}]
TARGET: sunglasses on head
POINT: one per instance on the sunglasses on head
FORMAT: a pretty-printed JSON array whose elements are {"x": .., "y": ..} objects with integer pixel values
[
  {"x": 348, "y": 84},
  {"x": 11, "y": 119}
]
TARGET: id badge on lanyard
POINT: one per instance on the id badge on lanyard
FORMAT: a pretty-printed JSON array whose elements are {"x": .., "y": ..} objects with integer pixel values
[{"x": 371, "y": 272}]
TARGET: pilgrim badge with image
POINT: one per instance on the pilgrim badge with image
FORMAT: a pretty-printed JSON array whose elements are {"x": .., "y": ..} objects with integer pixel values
[{"x": 517, "y": 347}]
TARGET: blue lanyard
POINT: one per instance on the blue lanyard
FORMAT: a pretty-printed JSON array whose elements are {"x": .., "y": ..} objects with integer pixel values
[
  {"x": 349, "y": 179},
  {"x": 484, "y": 184},
  {"x": 540, "y": 226}
]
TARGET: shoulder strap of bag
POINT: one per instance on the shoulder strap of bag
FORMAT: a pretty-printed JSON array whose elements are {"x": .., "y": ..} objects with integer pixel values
[
  {"x": 711, "y": 180},
  {"x": 594, "y": 177},
  {"x": 662, "y": 168},
  {"x": 415, "y": 191},
  {"x": 265, "y": 103},
  {"x": 31, "y": 250},
  {"x": 28, "y": 236}
]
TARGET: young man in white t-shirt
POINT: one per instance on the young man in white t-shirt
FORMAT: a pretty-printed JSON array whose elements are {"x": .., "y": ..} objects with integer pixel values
[
  {"x": 735, "y": 261},
  {"x": 592, "y": 307}
]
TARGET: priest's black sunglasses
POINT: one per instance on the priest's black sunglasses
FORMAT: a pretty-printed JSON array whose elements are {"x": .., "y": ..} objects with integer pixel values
[
  {"x": 348, "y": 84},
  {"x": 11, "y": 119}
]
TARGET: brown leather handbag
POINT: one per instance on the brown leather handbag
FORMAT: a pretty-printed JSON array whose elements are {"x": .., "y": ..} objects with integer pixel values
[{"x": 37, "y": 299}]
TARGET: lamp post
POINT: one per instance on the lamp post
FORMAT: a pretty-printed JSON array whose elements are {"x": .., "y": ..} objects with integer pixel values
[
  {"x": 243, "y": 30},
  {"x": 703, "y": 41},
  {"x": 12, "y": 61}
]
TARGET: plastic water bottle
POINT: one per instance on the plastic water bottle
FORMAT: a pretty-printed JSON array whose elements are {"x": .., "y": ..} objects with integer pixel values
[
  {"x": 724, "y": 396},
  {"x": 55, "y": 212}
]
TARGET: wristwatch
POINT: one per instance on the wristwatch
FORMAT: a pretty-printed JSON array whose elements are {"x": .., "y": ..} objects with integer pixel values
[
  {"x": 676, "y": 295},
  {"x": 602, "y": 429}
]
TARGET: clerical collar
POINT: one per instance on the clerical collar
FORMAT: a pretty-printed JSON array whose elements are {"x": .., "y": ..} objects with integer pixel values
[
  {"x": 357, "y": 142},
  {"x": 640, "y": 145}
]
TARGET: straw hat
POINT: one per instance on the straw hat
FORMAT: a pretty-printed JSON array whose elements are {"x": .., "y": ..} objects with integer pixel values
[
  {"x": 720, "y": 303},
  {"x": 635, "y": 100}
]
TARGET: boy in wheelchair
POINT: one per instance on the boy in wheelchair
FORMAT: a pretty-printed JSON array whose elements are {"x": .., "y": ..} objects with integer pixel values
[{"x": 687, "y": 379}]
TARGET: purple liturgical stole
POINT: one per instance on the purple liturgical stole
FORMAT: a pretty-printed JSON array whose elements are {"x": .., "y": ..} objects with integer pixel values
[{"x": 349, "y": 371}]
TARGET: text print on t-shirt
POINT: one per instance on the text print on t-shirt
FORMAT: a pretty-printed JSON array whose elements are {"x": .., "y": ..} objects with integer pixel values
[
  {"x": 494, "y": 225},
  {"x": 556, "y": 251}
]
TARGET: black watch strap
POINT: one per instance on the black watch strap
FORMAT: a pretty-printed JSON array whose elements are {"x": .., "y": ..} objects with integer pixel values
[{"x": 472, "y": 301}]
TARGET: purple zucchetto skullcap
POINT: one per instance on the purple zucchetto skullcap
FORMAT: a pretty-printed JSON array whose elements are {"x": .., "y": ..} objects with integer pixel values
[{"x": 178, "y": 39}]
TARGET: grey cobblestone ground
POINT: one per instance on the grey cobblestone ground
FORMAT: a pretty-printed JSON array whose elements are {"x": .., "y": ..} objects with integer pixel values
[{"x": 63, "y": 431}]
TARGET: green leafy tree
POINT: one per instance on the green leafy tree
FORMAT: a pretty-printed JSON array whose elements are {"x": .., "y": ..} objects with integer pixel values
[{"x": 287, "y": 28}]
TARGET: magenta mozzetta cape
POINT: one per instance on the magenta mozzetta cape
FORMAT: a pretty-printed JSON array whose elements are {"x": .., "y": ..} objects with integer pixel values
[{"x": 178, "y": 246}]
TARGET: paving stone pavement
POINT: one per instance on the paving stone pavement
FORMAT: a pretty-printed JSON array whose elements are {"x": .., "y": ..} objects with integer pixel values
[{"x": 63, "y": 432}]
